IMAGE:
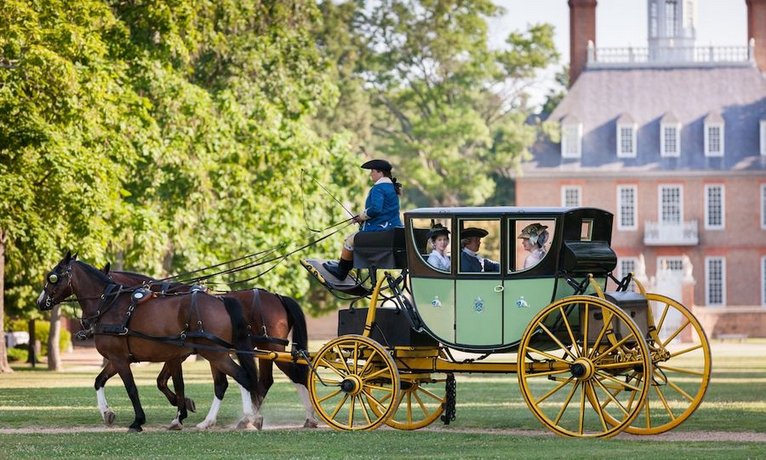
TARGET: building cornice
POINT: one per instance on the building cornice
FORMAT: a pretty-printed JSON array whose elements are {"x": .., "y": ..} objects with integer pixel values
[{"x": 634, "y": 174}]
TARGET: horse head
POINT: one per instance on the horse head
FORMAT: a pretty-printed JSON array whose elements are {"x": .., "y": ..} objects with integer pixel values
[{"x": 58, "y": 283}]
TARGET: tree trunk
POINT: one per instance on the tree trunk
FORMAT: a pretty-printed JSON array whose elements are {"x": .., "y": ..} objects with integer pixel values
[
  {"x": 4, "y": 366},
  {"x": 32, "y": 347},
  {"x": 54, "y": 354}
]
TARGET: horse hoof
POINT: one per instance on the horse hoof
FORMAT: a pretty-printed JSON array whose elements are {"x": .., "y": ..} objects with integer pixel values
[
  {"x": 135, "y": 429},
  {"x": 190, "y": 405},
  {"x": 175, "y": 426},
  {"x": 109, "y": 417},
  {"x": 258, "y": 423},
  {"x": 205, "y": 425},
  {"x": 310, "y": 424}
]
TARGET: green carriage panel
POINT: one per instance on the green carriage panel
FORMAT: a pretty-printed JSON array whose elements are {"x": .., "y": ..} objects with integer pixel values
[
  {"x": 436, "y": 305},
  {"x": 479, "y": 312},
  {"x": 523, "y": 299}
]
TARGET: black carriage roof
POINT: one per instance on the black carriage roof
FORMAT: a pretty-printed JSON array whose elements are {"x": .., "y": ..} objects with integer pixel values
[{"x": 500, "y": 210}]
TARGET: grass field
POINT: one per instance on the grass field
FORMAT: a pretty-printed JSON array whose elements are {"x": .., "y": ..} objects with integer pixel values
[{"x": 44, "y": 414}]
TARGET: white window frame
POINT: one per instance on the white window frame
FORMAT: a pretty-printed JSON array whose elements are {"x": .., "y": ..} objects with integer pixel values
[
  {"x": 660, "y": 214},
  {"x": 763, "y": 137},
  {"x": 677, "y": 261},
  {"x": 763, "y": 281},
  {"x": 571, "y": 148},
  {"x": 708, "y": 215},
  {"x": 763, "y": 206},
  {"x": 621, "y": 153},
  {"x": 676, "y": 127},
  {"x": 620, "y": 224},
  {"x": 571, "y": 188},
  {"x": 708, "y": 283},
  {"x": 709, "y": 127},
  {"x": 621, "y": 273}
]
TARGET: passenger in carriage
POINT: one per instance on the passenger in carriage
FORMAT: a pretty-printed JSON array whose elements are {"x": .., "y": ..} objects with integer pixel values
[
  {"x": 439, "y": 237},
  {"x": 381, "y": 212},
  {"x": 470, "y": 260},
  {"x": 534, "y": 236}
]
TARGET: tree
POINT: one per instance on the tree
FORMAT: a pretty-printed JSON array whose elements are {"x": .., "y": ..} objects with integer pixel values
[{"x": 447, "y": 109}]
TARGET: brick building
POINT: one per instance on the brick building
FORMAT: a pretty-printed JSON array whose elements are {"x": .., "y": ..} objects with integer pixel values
[{"x": 671, "y": 138}]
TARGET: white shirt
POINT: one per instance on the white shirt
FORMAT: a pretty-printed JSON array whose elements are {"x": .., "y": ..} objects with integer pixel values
[
  {"x": 534, "y": 257},
  {"x": 439, "y": 261}
]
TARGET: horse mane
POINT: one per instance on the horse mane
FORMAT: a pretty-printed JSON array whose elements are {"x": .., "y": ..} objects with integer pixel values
[
  {"x": 93, "y": 271},
  {"x": 138, "y": 275}
]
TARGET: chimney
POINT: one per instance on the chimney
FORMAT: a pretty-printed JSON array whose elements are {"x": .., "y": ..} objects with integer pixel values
[
  {"x": 756, "y": 30},
  {"x": 582, "y": 29}
]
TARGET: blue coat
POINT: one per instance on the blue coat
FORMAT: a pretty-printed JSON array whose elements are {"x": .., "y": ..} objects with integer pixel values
[
  {"x": 382, "y": 208},
  {"x": 469, "y": 263}
]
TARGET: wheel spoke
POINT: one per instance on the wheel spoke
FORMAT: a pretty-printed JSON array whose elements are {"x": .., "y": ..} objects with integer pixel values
[
  {"x": 606, "y": 352},
  {"x": 585, "y": 332},
  {"x": 555, "y": 390},
  {"x": 376, "y": 374},
  {"x": 547, "y": 355},
  {"x": 598, "y": 407},
  {"x": 548, "y": 373},
  {"x": 569, "y": 331},
  {"x": 664, "y": 402},
  {"x": 333, "y": 368},
  {"x": 617, "y": 403},
  {"x": 339, "y": 406},
  {"x": 601, "y": 333},
  {"x": 680, "y": 370},
  {"x": 567, "y": 401},
  {"x": 581, "y": 424},
  {"x": 365, "y": 410},
  {"x": 618, "y": 382},
  {"x": 686, "y": 350},
  {"x": 356, "y": 358},
  {"x": 555, "y": 339},
  {"x": 351, "y": 411},
  {"x": 331, "y": 395},
  {"x": 673, "y": 335},
  {"x": 342, "y": 358},
  {"x": 681, "y": 391}
]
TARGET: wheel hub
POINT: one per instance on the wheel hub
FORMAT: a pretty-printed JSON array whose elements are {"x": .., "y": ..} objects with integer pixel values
[
  {"x": 352, "y": 385},
  {"x": 582, "y": 369}
]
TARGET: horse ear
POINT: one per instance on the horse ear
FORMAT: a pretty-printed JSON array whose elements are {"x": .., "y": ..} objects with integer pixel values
[
  {"x": 106, "y": 268},
  {"x": 67, "y": 256},
  {"x": 74, "y": 257}
]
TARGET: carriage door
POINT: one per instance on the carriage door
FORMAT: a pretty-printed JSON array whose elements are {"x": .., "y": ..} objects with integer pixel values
[{"x": 479, "y": 283}]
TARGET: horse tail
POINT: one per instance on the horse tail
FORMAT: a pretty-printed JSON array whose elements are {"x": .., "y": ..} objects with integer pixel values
[
  {"x": 241, "y": 339},
  {"x": 298, "y": 373}
]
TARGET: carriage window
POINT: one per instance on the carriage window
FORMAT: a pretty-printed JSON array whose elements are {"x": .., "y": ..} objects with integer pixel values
[
  {"x": 480, "y": 246},
  {"x": 432, "y": 238},
  {"x": 586, "y": 230},
  {"x": 532, "y": 242}
]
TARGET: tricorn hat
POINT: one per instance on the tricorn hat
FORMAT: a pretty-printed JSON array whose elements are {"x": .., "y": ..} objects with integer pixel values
[
  {"x": 473, "y": 231},
  {"x": 436, "y": 230},
  {"x": 380, "y": 165}
]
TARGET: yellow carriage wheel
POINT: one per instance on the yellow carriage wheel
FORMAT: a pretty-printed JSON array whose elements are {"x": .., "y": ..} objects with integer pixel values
[
  {"x": 571, "y": 357},
  {"x": 354, "y": 383},
  {"x": 681, "y": 367},
  {"x": 422, "y": 404}
]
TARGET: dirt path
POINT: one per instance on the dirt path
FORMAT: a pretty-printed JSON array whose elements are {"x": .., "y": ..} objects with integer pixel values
[{"x": 678, "y": 436}]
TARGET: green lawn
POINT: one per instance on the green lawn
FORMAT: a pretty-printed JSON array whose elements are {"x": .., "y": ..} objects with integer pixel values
[{"x": 492, "y": 421}]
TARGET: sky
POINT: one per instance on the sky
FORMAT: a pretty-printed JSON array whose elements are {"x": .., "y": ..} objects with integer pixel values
[{"x": 619, "y": 23}]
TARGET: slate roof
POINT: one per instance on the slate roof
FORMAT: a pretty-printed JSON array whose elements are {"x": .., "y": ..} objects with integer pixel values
[{"x": 600, "y": 96}]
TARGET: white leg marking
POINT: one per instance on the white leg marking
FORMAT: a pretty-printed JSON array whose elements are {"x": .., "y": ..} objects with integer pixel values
[
  {"x": 212, "y": 415},
  {"x": 311, "y": 416},
  {"x": 102, "y": 404}
]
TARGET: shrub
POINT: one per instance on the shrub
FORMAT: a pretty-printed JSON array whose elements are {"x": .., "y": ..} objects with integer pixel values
[
  {"x": 17, "y": 355},
  {"x": 42, "y": 331}
]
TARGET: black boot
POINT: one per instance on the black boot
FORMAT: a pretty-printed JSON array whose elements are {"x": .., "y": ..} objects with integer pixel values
[{"x": 340, "y": 269}]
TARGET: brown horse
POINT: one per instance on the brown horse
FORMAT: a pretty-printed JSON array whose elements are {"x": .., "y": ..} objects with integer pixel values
[
  {"x": 129, "y": 329},
  {"x": 271, "y": 318}
]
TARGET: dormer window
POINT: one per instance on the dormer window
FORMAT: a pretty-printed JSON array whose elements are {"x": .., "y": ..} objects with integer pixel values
[
  {"x": 626, "y": 137},
  {"x": 571, "y": 137},
  {"x": 714, "y": 135},
  {"x": 763, "y": 137},
  {"x": 670, "y": 136}
]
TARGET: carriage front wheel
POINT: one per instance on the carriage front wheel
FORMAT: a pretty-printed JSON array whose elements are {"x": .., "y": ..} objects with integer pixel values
[
  {"x": 354, "y": 383},
  {"x": 422, "y": 403},
  {"x": 576, "y": 354}
]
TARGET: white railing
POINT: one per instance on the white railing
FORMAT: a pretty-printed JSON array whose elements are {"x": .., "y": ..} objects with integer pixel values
[
  {"x": 665, "y": 56},
  {"x": 669, "y": 234}
]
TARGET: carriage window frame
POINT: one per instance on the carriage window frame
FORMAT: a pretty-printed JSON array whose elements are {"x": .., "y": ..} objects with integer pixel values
[
  {"x": 461, "y": 224},
  {"x": 424, "y": 257},
  {"x": 515, "y": 252}
]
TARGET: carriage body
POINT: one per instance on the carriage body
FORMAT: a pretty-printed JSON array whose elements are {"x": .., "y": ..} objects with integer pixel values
[{"x": 489, "y": 311}]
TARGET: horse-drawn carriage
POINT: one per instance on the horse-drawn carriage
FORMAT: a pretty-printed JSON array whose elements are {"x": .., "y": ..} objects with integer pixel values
[{"x": 591, "y": 362}]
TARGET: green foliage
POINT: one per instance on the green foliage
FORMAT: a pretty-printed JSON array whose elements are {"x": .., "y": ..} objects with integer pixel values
[
  {"x": 17, "y": 355},
  {"x": 449, "y": 111},
  {"x": 42, "y": 331}
]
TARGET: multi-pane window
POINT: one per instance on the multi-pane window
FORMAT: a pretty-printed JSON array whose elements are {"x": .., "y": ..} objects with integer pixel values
[
  {"x": 714, "y": 140},
  {"x": 714, "y": 211},
  {"x": 627, "y": 265},
  {"x": 653, "y": 20},
  {"x": 715, "y": 281},
  {"x": 763, "y": 281},
  {"x": 626, "y": 141},
  {"x": 763, "y": 137},
  {"x": 674, "y": 264},
  {"x": 669, "y": 141},
  {"x": 763, "y": 206},
  {"x": 570, "y": 197},
  {"x": 571, "y": 140},
  {"x": 626, "y": 207},
  {"x": 670, "y": 204},
  {"x": 671, "y": 15}
]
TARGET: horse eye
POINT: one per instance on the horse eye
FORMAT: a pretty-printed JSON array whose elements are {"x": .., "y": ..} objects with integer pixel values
[{"x": 53, "y": 278}]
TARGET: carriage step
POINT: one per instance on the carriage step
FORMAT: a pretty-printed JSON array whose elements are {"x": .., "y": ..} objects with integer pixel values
[{"x": 349, "y": 285}]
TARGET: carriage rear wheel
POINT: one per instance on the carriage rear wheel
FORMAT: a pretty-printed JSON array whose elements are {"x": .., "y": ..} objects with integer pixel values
[
  {"x": 573, "y": 356},
  {"x": 422, "y": 403},
  {"x": 681, "y": 367},
  {"x": 354, "y": 383}
]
